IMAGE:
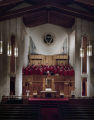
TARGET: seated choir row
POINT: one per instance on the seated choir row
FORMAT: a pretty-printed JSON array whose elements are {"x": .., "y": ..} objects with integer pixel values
[{"x": 65, "y": 70}]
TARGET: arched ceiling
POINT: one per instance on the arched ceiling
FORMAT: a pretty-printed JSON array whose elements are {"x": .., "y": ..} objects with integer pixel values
[{"x": 37, "y": 12}]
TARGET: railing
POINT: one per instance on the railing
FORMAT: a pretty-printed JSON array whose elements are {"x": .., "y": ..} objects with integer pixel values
[{"x": 15, "y": 99}]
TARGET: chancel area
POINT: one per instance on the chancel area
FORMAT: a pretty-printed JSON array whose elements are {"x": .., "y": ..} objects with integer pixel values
[
  {"x": 55, "y": 78},
  {"x": 47, "y": 59}
]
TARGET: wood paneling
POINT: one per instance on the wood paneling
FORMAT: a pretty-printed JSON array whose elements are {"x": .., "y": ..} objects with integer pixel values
[
  {"x": 60, "y": 6},
  {"x": 50, "y": 60},
  {"x": 48, "y": 16},
  {"x": 86, "y": 2},
  {"x": 9, "y": 2},
  {"x": 58, "y": 83}
]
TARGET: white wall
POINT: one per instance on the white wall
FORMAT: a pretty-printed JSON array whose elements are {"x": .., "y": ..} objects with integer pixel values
[
  {"x": 37, "y": 34},
  {"x": 77, "y": 58},
  {"x": 72, "y": 48}
]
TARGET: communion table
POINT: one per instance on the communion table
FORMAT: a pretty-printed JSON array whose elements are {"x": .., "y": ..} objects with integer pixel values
[{"x": 48, "y": 94}]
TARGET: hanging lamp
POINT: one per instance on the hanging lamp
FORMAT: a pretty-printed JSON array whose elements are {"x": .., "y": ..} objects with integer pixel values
[
  {"x": 1, "y": 44},
  {"x": 82, "y": 49},
  {"x": 16, "y": 48},
  {"x": 9, "y": 47},
  {"x": 89, "y": 50}
]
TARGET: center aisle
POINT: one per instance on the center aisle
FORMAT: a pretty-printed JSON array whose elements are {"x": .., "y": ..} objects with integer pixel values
[{"x": 49, "y": 107}]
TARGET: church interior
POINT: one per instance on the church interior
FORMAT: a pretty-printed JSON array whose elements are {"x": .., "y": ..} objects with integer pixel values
[{"x": 47, "y": 59}]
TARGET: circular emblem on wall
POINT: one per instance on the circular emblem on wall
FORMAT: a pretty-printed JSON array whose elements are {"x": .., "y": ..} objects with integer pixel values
[{"x": 48, "y": 38}]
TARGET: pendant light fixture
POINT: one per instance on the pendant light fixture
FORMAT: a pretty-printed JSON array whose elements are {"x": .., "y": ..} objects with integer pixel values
[
  {"x": 89, "y": 50},
  {"x": 9, "y": 47},
  {"x": 16, "y": 48},
  {"x": 81, "y": 52},
  {"x": 89, "y": 46},
  {"x": 1, "y": 44},
  {"x": 81, "y": 49},
  {"x": 1, "y": 41},
  {"x": 16, "y": 51}
]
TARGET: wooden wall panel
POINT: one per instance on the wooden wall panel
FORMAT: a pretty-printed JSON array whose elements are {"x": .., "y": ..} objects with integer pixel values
[
  {"x": 37, "y": 82},
  {"x": 50, "y": 60}
]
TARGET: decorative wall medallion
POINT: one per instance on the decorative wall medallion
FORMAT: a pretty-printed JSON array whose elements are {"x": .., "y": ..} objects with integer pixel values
[{"x": 48, "y": 38}]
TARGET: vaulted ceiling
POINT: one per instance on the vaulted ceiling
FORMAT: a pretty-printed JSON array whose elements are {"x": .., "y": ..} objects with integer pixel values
[{"x": 37, "y": 12}]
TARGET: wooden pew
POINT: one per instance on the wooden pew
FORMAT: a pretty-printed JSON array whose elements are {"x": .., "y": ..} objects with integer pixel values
[
  {"x": 19, "y": 112},
  {"x": 74, "y": 111}
]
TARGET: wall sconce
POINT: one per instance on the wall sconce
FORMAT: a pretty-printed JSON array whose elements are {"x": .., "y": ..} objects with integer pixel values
[{"x": 16, "y": 48}]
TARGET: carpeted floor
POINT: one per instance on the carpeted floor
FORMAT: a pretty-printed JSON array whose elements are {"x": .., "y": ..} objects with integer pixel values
[
  {"x": 49, "y": 107},
  {"x": 49, "y": 114}
]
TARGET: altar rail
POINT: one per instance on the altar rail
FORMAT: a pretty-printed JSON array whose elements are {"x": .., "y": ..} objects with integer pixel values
[{"x": 75, "y": 100}]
